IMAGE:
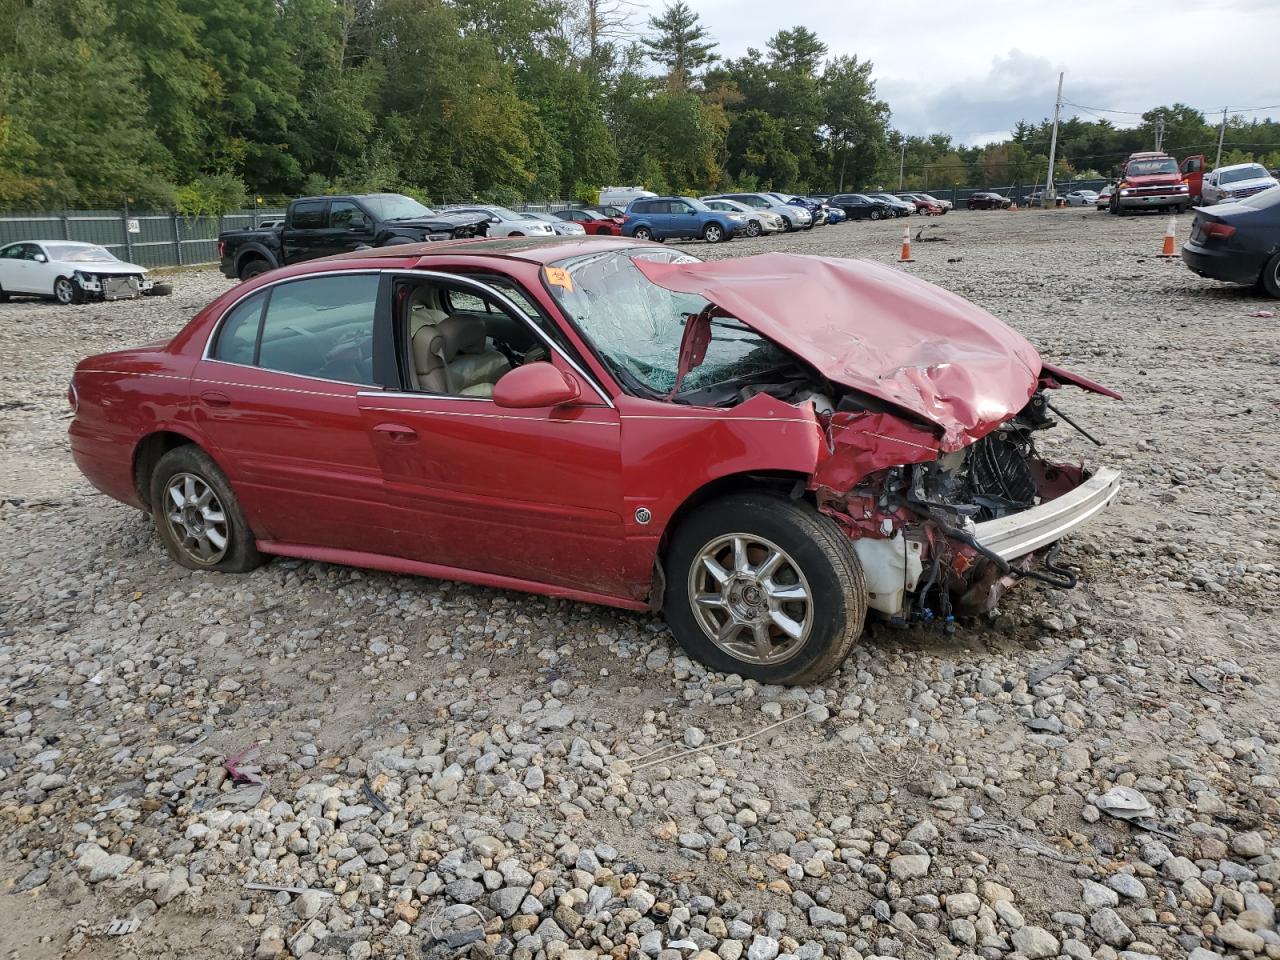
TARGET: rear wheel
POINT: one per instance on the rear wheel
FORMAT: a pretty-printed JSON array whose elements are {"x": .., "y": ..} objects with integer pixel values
[
  {"x": 712, "y": 233},
  {"x": 252, "y": 268},
  {"x": 875, "y": 214},
  {"x": 643, "y": 233},
  {"x": 197, "y": 516},
  {"x": 1271, "y": 276},
  {"x": 67, "y": 291},
  {"x": 764, "y": 587}
]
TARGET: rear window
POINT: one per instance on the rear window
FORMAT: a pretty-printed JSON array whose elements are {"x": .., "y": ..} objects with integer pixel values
[{"x": 308, "y": 215}]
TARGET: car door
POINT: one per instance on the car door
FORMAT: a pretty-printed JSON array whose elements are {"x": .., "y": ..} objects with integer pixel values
[
  {"x": 15, "y": 275},
  {"x": 533, "y": 495},
  {"x": 685, "y": 221},
  {"x": 349, "y": 227},
  {"x": 277, "y": 397},
  {"x": 304, "y": 235}
]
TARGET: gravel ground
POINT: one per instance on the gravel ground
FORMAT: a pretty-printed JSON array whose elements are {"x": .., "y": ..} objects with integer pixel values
[{"x": 453, "y": 771}]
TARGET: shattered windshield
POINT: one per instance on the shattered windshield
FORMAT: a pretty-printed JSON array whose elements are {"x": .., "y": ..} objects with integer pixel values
[
  {"x": 70, "y": 254},
  {"x": 636, "y": 326}
]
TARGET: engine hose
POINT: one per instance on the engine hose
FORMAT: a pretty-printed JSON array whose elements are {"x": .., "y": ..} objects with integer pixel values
[{"x": 1057, "y": 576}]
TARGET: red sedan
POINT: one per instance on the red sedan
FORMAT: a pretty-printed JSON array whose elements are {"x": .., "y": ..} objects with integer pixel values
[
  {"x": 593, "y": 221},
  {"x": 608, "y": 421}
]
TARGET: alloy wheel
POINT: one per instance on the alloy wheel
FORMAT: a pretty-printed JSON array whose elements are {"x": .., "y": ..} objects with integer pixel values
[
  {"x": 63, "y": 290},
  {"x": 750, "y": 598},
  {"x": 713, "y": 234},
  {"x": 196, "y": 518}
]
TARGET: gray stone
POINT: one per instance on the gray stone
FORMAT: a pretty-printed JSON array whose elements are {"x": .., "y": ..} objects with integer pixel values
[
  {"x": 1106, "y": 923},
  {"x": 762, "y": 948},
  {"x": 909, "y": 867},
  {"x": 1035, "y": 943}
]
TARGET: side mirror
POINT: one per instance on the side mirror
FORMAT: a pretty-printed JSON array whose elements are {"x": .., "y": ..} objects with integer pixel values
[
  {"x": 40, "y": 258},
  {"x": 537, "y": 384}
]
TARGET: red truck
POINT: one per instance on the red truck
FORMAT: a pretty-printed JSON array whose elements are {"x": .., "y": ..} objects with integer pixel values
[{"x": 1149, "y": 181}]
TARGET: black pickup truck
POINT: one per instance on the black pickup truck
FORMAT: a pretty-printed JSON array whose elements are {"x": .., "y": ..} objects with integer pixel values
[{"x": 323, "y": 226}]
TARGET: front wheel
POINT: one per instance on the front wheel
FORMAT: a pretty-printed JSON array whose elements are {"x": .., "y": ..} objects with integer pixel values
[
  {"x": 753, "y": 228},
  {"x": 66, "y": 291},
  {"x": 712, "y": 233},
  {"x": 764, "y": 587},
  {"x": 643, "y": 233},
  {"x": 1271, "y": 276},
  {"x": 197, "y": 516}
]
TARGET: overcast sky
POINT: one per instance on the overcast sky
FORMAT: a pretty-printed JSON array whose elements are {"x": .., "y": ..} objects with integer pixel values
[{"x": 973, "y": 70}]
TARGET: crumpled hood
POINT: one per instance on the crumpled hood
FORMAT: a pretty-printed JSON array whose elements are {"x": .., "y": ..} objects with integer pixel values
[
  {"x": 875, "y": 329},
  {"x": 439, "y": 222}
]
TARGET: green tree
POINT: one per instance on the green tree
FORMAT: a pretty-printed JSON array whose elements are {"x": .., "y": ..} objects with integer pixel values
[
  {"x": 680, "y": 43},
  {"x": 855, "y": 121}
]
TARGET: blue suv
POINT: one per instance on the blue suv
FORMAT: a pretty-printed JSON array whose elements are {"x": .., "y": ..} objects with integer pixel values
[{"x": 680, "y": 218}]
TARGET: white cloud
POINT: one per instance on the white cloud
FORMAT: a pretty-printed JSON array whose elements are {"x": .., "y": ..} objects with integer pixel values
[{"x": 974, "y": 71}]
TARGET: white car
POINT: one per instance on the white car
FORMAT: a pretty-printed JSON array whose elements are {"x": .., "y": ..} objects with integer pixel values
[
  {"x": 507, "y": 223},
  {"x": 562, "y": 228},
  {"x": 621, "y": 196},
  {"x": 71, "y": 272},
  {"x": 758, "y": 221},
  {"x": 1082, "y": 198},
  {"x": 1234, "y": 182}
]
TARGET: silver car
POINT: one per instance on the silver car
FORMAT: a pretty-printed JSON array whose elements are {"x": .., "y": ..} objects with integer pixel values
[
  {"x": 562, "y": 228},
  {"x": 1234, "y": 182},
  {"x": 795, "y": 218},
  {"x": 758, "y": 221},
  {"x": 507, "y": 223},
  {"x": 1081, "y": 198}
]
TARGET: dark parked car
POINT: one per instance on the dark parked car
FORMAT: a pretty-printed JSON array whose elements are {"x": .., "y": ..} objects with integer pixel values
[
  {"x": 680, "y": 218},
  {"x": 988, "y": 201},
  {"x": 323, "y": 226},
  {"x": 1238, "y": 241},
  {"x": 605, "y": 421},
  {"x": 858, "y": 206},
  {"x": 593, "y": 221},
  {"x": 817, "y": 209},
  {"x": 900, "y": 207}
]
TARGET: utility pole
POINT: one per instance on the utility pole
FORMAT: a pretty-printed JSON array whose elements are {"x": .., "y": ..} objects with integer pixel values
[
  {"x": 902, "y": 157},
  {"x": 1222, "y": 132},
  {"x": 1159, "y": 135},
  {"x": 1050, "y": 192}
]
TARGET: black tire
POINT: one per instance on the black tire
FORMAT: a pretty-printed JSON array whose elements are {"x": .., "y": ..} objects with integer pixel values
[
  {"x": 874, "y": 215},
  {"x": 160, "y": 290},
  {"x": 67, "y": 292},
  {"x": 643, "y": 233},
  {"x": 4, "y": 297},
  {"x": 252, "y": 267},
  {"x": 815, "y": 548},
  {"x": 515, "y": 233},
  {"x": 713, "y": 233},
  {"x": 239, "y": 553},
  {"x": 753, "y": 228},
  {"x": 1270, "y": 279}
]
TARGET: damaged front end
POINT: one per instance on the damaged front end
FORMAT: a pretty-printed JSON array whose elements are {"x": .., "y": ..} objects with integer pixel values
[{"x": 942, "y": 533}]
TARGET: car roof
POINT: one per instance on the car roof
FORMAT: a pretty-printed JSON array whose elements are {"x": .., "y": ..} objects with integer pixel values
[
  {"x": 59, "y": 243},
  {"x": 1240, "y": 166}
]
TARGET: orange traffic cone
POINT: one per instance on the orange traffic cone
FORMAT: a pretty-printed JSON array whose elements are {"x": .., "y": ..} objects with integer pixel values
[
  {"x": 1013, "y": 207},
  {"x": 1169, "y": 237},
  {"x": 905, "y": 255}
]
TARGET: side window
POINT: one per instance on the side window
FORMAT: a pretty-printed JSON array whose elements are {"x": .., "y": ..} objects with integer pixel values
[
  {"x": 343, "y": 215},
  {"x": 679, "y": 206},
  {"x": 308, "y": 215},
  {"x": 12, "y": 253},
  {"x": 238, "y": 335},
  {"x": 642, "y": 207},
  {"x": 459, "y": 300},
  {"x": 321, "y": 327}
]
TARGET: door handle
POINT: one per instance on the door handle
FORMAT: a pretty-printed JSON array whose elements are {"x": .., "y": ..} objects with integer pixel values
[
  {"x": 211, "y": 398},
  {"x": 397, "y": 433}
]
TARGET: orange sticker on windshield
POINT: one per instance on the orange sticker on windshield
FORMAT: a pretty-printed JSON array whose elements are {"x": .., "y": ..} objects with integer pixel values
[{"x": 559, "y": 277}]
